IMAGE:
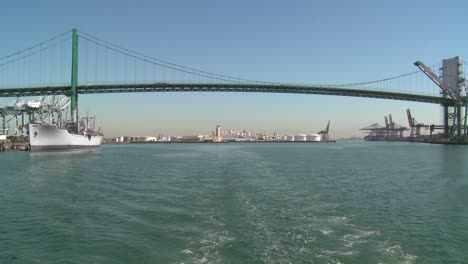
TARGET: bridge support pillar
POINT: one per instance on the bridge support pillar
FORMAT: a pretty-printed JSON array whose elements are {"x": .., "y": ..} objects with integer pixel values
[
  {"x": 22, "y": 123},
  {"x": 446, "y": 121},
  {"x": 3, "y": 124},
  {"x": 74, "y": 79},
  {"x": 465, "y": 128},
  {"x": 455, "y": 121},
  {"x": 458, "y": 115}
]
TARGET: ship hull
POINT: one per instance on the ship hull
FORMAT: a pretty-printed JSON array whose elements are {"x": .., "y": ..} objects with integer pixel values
[{"x": 46, "y": 137}]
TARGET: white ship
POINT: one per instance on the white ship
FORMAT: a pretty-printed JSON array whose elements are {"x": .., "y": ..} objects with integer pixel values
[{"x": 50, "y": 137}]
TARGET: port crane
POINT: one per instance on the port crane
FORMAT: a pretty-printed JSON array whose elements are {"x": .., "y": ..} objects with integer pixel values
[
  {"x": 389, "y": 125},
  {"x": 38, "y": 110},
  {"x": 426, "y": 70},
  {"x": 455, "y": 93},
  {"x": 324, "y": 133},
  {"x": 415, "y": 126}
]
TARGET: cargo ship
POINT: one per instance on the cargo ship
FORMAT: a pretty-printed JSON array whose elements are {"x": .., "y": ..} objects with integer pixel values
[{"x": 52, "y": 137}]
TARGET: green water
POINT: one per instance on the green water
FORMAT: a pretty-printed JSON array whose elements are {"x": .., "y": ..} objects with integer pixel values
[{"x": 236, "y": 203}]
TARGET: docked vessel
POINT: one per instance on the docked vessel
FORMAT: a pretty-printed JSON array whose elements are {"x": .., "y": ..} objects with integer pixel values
[
  {"x": 58, "y": 133},
  {"x": 50, "y": 137}
]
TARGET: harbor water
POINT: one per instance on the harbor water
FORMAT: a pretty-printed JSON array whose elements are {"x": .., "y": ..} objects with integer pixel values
[{"x": 344, "y": 202}]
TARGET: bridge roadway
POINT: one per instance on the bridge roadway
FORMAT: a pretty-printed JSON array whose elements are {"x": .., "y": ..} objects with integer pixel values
[{"x": 220, "y": 87}]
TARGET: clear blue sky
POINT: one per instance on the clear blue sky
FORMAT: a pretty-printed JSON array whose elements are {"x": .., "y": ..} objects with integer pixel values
[{"x": 285, "y": 41}]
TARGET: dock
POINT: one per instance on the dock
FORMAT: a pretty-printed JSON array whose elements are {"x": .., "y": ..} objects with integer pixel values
[{"x": 6, "y": 146}]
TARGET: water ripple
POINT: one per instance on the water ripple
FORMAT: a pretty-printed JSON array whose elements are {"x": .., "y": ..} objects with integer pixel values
[{"x": 236, "y": 203}]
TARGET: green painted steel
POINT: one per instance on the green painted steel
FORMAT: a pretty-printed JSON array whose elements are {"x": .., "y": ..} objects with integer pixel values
[
  {"x": 446, "y": 121},
  {"x": 74, "y": 74},
  {"x": 213, "y": 87},
  {"x": 459, "y": 120},
  {"x": 465, "y": 133},
  {"x": 35, "y": 91}
]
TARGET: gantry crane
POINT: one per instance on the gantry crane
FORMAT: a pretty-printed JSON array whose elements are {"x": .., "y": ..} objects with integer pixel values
[
  {"x": 414, "y": 125},
  {"x": 324, "y": 133}
]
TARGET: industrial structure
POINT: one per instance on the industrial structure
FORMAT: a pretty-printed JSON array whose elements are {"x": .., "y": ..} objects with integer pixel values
[
  {"x": 416, "y": 127},
  {"x": 390, "y": 132},
  {"x": 217, "y": 136},
  {"x": 453, "y": 85},
  {"x": 324, "y": 133},
  {"x": 233, "y": 135},
  {"x": 50, "y": 109}
]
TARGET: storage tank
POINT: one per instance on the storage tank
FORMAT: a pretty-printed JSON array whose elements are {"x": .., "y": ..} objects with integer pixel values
[
  {"x": 289, "y": 138},
  {"x": 314, "y": 138},
  {"x": 300, "y": 137}
]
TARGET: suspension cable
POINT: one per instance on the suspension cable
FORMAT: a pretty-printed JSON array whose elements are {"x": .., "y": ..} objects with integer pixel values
[
  {"x": 170, "y": 65},
  {"x": 381, "y": 80},
  {"x": 385, "y": 79},
  {"x": 147, "y": 59},
  {"x": 35, "y": 46},
  {"x": 31, "y": 53}
]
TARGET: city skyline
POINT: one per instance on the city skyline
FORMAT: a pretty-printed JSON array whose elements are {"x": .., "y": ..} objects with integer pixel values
[{"x": 301, "y": 42}]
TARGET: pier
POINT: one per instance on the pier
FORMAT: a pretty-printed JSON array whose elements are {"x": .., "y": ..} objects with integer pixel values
[{"x": 6, "y": 146}]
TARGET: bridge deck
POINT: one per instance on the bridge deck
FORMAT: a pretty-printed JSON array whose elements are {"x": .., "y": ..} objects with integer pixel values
[{"x": 212, "y": 87}]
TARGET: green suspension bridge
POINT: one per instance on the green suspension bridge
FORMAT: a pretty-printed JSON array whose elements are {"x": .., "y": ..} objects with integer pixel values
[{"x": 44, "y": 70}]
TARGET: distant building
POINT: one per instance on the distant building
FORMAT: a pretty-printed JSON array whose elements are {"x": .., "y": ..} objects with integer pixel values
[
  {"x": 218, "y": 137},
  {"x": 302, "y": 138},
  {"x": 243, "y": 135},
  {"x": 188, "y": 139}
]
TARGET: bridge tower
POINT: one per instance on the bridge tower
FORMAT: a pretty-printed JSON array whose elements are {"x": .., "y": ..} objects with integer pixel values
[{"x": 74, "y": 80}]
